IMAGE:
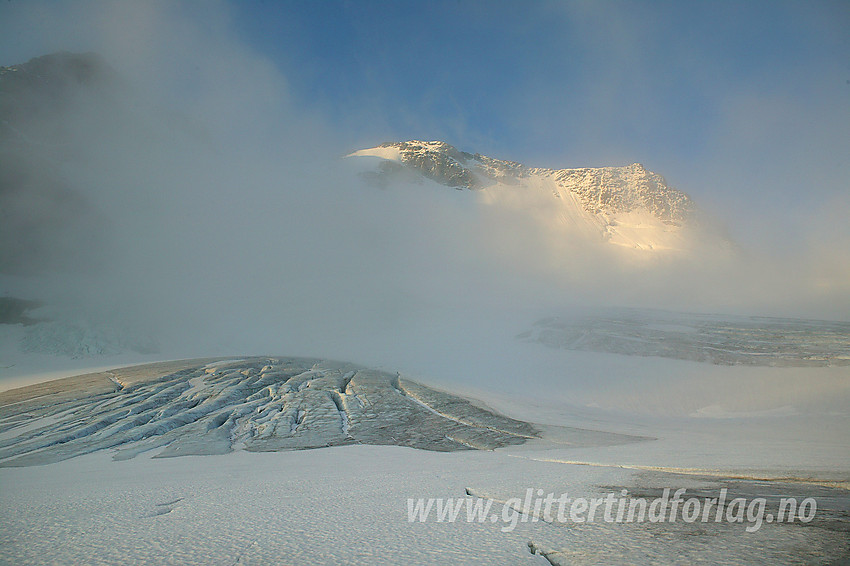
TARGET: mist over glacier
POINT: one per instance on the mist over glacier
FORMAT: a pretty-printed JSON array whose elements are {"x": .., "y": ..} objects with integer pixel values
[
  {"x": 175, "y": 184},
  {"x": 227, "y": 219}
]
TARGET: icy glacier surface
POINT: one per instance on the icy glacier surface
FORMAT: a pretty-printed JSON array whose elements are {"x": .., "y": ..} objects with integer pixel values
[
  {"x": 716, "y": 339},
  {"x": 206, "y": 407}
]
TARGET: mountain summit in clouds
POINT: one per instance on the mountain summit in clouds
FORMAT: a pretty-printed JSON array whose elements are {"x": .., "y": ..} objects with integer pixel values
[{"x": 627, "y": 206}]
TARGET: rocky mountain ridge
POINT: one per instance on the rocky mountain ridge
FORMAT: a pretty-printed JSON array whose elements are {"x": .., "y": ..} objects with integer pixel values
[{"x": 600, "y": 190}]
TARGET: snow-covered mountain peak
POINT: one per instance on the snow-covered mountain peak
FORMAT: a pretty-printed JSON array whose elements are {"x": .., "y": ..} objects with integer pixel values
[
  {"x": 629, "y": 205},
  {"x": 608, "y": 190}
]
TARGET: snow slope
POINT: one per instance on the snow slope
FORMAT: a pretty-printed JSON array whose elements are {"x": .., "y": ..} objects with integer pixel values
[{"x": 348, "y": 504}]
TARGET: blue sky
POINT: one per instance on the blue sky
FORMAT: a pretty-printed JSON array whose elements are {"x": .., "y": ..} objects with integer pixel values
[
  {"x": 744, "y": 105},
  {"x": 579, "y": 83}
]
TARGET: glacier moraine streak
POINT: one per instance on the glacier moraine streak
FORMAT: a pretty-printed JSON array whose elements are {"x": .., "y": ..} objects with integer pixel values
[{"x": 257, "y": 404}]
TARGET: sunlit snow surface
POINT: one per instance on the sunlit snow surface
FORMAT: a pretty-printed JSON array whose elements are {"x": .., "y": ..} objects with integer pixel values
[{"x": 245, "y": 490}]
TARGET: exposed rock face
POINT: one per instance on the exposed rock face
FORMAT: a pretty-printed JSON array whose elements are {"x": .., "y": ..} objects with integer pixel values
[
  {"x": 602, "y": 190},
  {"x": 256, "y": 404},
  {"x": 438, "y": 161},
  {"x": 16, "y": 311},
  {"x": 623, "y": 189}
]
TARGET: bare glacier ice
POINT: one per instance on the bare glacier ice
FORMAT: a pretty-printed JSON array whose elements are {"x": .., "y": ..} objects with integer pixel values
[{"x": 205, "y": 407}]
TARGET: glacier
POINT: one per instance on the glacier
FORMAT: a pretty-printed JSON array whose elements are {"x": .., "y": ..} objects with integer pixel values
[
  {"x": 716, "y": 339},
  {"x": 256, "y": 404},
  {"x": 93, "y": 461}
]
